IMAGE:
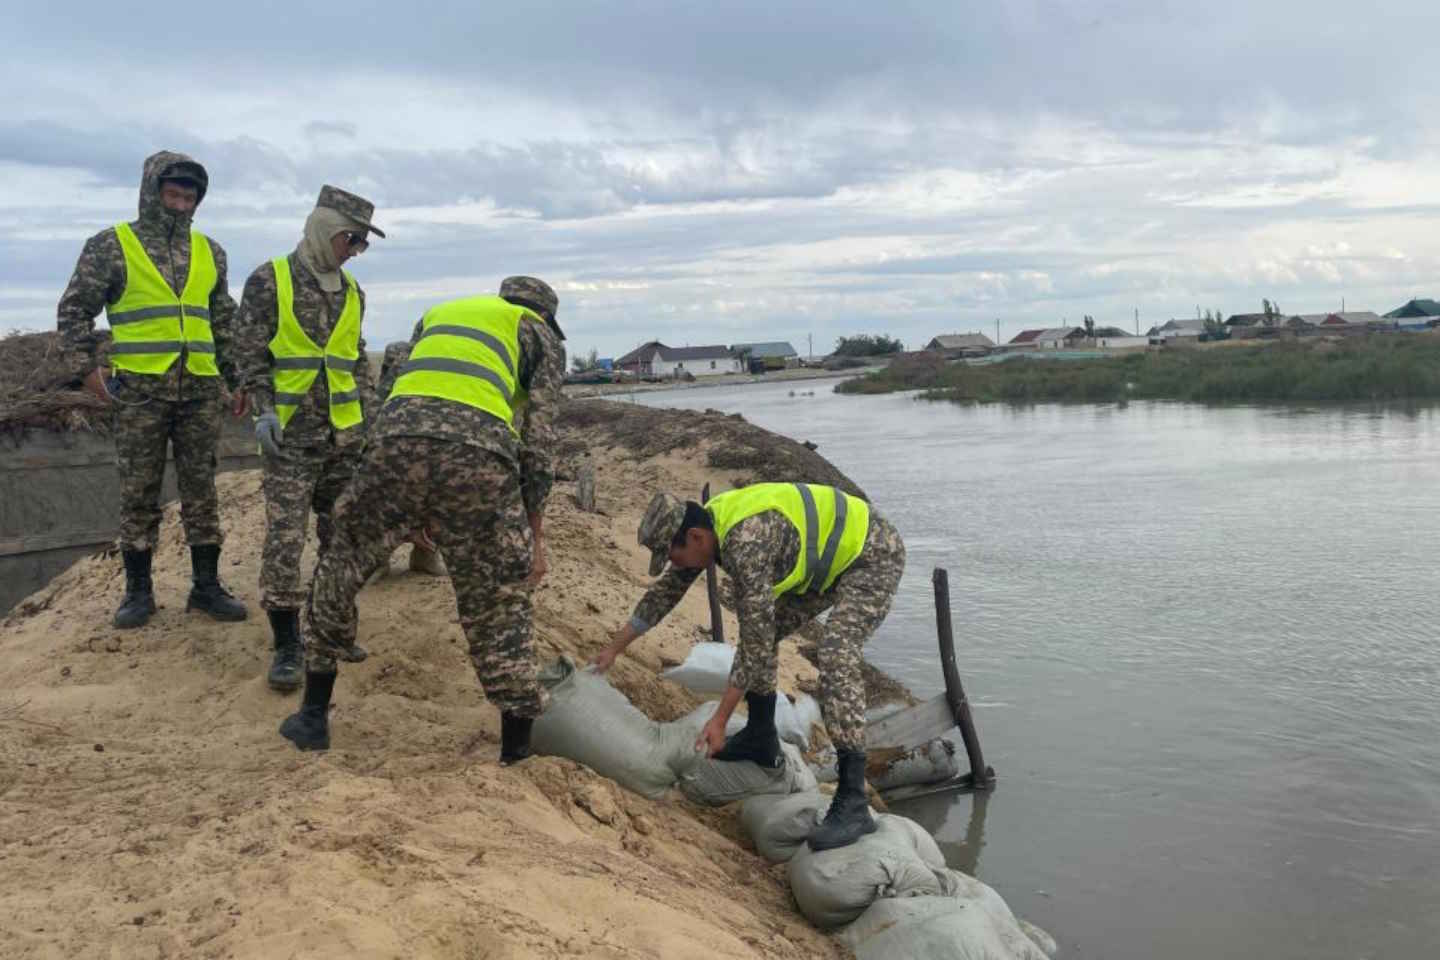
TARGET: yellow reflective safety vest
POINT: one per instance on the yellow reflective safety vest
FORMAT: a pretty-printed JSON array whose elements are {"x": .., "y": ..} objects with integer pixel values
[
  {"x": 150, "y": 324},
  {"x": 469, "y": 352},
  {"x": 832, "y": 527},
  {"x": 298, "y": 360}
]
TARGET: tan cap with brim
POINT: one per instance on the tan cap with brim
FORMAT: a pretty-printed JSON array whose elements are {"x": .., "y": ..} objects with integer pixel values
[
  {"x": 355, "y": 207},
  {"x": 662, "y": 521}
]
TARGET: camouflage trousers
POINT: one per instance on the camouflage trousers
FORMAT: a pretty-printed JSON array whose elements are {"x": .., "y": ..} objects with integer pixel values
[
  {"x": 858, "y": 601},
  {"x": 468, "y": 499},
  {"x": 296, "y": 482},
  {"x": 143, "y": 427}
]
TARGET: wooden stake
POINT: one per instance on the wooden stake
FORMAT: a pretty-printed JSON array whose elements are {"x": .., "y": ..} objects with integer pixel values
[
  {"x": 712, "y": 589},
  {"x": 982, "y": 777}
]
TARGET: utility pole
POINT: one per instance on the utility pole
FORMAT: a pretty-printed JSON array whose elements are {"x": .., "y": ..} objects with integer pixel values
[
  {"x": 997, "y": 331},
  {"x": 1137, "y": 321},
  {"x": 810, "y": 345}
]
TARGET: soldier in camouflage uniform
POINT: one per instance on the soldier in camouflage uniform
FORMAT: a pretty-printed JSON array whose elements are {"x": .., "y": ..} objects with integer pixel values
[
  {"x": 179, "y": 402},
  {"x": 465, "y": 457},
  {"x": 308, "y": 457},
  {"x": 777, "y": 590}
]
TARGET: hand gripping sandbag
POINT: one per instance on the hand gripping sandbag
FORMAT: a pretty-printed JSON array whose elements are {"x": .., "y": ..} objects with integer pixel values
[
  {"x": 717, "y": 782},
  {"x": 833, "y": 887},
  {"x": 938, "y": 928},
  {"x": 590, "y": 721},
  {"x": 778, "y": 825}
]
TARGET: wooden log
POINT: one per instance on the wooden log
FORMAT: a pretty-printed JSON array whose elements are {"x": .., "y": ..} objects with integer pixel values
[
  {"x": 712, "y": 589},
  {"x": 585, "y": 487},
  {"x": 983, "y": 777}
]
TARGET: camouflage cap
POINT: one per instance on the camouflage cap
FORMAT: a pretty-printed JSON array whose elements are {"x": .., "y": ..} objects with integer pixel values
[
  {"x": 356, "y": 208},
  {"x": 662, "y": 521},
  {"x": 534, "y": 293}
]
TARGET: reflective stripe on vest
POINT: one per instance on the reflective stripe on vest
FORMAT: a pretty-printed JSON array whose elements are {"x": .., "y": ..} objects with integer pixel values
[
  {"x": 297, "y": 360},
  {"x": 151, "y": 325},
  {"x": 832, "y": 527},
  {"x": 468, "y": 352}
]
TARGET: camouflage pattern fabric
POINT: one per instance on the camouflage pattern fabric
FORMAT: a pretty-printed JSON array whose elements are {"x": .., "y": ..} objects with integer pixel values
[
  {"x": 99, "y": 279},
  {"x": 469, "y": 499},
  {"x": 541, "y": 370},
  {"x": 317, "y": 312},
  {"x": 301, "y": 479},
  {"x": 143, "y": 426},
  {"x": 758, "y": 553},
  {"x": 355, "y": 207}
]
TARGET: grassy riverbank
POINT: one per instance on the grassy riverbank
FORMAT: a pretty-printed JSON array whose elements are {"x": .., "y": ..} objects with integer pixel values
[{"x": 1379, "y": 369}]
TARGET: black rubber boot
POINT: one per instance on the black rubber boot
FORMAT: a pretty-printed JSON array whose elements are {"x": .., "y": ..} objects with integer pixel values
[
  {"x": 309, "y": 727},
  {"x": 287, "y": 668},
  {"x": 758, "y": 742},
  {"x": 139, "y": 602},
  {"x": 207, "y": 594},
  {"x": 514, "y": 738},
  {"x": 848, "y": 818}
]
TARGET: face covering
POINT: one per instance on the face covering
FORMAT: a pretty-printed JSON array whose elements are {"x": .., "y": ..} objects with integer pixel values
[{"x": 316, "y": 251}]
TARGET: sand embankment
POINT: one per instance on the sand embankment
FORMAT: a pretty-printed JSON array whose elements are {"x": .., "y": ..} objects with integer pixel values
[{"x": 149, "y": 809}]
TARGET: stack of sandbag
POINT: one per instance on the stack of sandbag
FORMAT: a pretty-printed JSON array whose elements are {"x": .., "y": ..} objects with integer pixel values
[
  {"x": 890, "y": 891},
  {"x": 706, "y": 671},
  {"x": 946, "y": 928},
  {"x": 590, "y": 721},
  {"x": 833, "y": 887}
]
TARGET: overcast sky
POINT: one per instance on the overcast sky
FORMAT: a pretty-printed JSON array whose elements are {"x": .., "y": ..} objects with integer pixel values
[{"x": 704, "y": 172}]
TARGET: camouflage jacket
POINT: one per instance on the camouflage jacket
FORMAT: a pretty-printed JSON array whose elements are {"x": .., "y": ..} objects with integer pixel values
[
  {"x": 317, "y": 312},
  {"x": 541, "y": 372},
  {"x": 99, "y": 279},
  {"x": 758, "y": 552}
]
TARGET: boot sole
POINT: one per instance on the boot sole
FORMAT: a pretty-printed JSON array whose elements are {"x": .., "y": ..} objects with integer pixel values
[
  {"x": 305, "y": 743},
  {"x": 836, "y": 845},
  {"x": 285, "y": 686},
  {"x": 222, "y": 617}
]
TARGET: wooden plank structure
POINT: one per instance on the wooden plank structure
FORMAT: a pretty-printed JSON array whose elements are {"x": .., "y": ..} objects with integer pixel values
[{"x": 937, "y": 716}]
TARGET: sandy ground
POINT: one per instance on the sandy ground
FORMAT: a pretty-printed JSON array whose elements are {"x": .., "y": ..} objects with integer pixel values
[{"x": 149, "y": 809}]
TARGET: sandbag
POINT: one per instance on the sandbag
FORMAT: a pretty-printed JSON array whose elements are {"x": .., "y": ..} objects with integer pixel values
[
  {"x": 706, "y": 670},
  {"x": 590, "y": 721},
  {"x": 833, "y": 887},
  {"x": 930, "y": 762},
  {"x": 939, "y": 928},
  {"x": 779, "y": 825},
  {"x": 717, "y": 782}
]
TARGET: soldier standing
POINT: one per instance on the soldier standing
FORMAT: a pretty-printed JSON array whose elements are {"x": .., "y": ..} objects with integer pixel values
[
  {"x": 792, "y": 550},
  {"x": 463, "y": 451},
  {"x": 300, "y": 316},
  {"x": 163, "y": 287}
]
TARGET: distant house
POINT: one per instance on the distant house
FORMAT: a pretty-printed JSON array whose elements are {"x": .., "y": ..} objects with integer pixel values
[
  {"x": 773, "y": 355},
  {"x": 655, "y": 359},
  {"x": 1045, "y": 338},
  {"x": 1349, "y": 318},
  {"x": 1415, "y": 308},
  {"x": 1024, "y": 340},
  {"x": 1246, "y": 320},
  {"x": 961, "y": 344},
  {"x": 1174, "y": 329}
]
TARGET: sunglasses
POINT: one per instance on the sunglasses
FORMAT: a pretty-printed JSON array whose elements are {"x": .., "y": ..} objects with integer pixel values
[{"x": 357, "y": 241}]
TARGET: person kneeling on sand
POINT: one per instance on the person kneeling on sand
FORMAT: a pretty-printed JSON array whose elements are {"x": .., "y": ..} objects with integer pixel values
[
  {"x": 792, "y": 550},
  {"x": 457, "y": 451}
]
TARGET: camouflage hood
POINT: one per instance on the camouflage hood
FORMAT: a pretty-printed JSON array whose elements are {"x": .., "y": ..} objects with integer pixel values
[{"x": 157, "y": 167}]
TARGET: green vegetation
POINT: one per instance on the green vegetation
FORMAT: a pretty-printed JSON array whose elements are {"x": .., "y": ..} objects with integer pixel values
[
  {"x": 584, "y": 363},
  {"x": 867, "y": 345},
  {"x": 1377, "y": 369}
]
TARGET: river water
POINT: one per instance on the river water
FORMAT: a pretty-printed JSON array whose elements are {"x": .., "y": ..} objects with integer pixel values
[{"x": 1201, "y": 648}]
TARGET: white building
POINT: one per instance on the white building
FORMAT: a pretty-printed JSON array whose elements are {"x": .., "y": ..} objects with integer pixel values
[{"x": 657, "y": 360}]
